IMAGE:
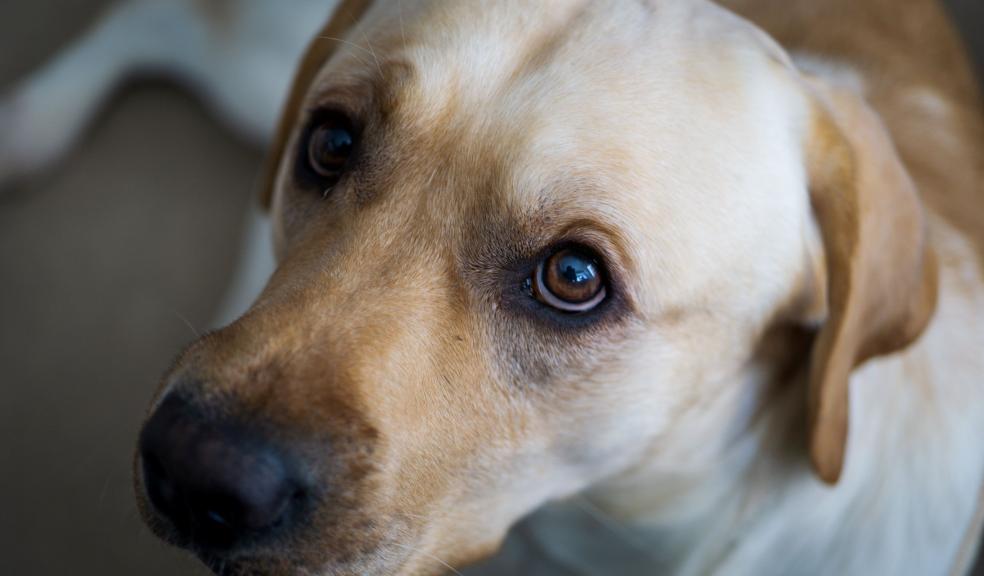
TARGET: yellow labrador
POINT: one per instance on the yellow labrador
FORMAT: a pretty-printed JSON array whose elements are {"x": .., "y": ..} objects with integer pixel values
[{"x": 727, "y": 291}]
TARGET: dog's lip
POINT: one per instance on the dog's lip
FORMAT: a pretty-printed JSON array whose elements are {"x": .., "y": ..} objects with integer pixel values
[
  {"x": 243, "y": 562},
  {"x": 224, "y": 566},
  {"x": 229, "y": 564},
  {"x": 215, "y": 564}
]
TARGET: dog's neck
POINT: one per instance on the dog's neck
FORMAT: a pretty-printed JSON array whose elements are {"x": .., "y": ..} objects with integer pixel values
[{"x": 911, "y": 485}]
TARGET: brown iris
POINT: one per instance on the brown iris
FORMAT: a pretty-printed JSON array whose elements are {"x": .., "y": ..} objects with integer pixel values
[
  {"x": 329, "y": 147},
  {"x": 570, "y": 280}
]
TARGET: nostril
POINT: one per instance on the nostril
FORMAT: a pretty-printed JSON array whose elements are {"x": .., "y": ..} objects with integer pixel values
[
  {"x": 216, "y": 519},
  {"x": 217, "y": 483},
  {"x": 242, "y": 499},
  {"x": 155, "y": 478},
  {"x": 158, "y": 484}
]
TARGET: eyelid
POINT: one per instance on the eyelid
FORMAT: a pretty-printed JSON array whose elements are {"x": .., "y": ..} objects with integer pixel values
[
  {"x": 352, "y": 102},
  {"x": 322, "y": 114}
]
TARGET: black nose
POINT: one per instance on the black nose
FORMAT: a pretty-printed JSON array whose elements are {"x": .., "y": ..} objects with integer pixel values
[{"x": 219, "y": 484}]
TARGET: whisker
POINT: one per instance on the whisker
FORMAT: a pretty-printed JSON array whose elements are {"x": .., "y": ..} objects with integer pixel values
[
  {"x": 105, "y": 489},
  {"x": 373, "y": 52},
  {"x": 188, "y": 324},
  {"x": 348, "y": 43},
  {"x": 403, "y": 31},
  {"x": 429, "y": 555}
]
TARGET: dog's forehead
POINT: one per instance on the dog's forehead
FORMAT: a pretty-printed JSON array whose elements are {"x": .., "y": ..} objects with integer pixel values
[
  {"x": 567, "y": 81},
  {"x": 661, "y": 119},
  {"x": 498, "y": 63}
]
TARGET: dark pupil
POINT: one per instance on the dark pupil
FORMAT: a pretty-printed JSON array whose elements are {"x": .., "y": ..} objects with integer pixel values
[
  {"x": 336, "y": 145},
  {"x": 576, "y": 270}
]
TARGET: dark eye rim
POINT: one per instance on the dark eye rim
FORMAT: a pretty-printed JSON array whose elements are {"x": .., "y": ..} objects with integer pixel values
[
  {"x": 517, "y": 296},
  {"x": 305, "y": 174}
]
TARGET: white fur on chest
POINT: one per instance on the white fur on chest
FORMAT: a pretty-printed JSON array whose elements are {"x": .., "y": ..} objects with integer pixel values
[{"x": 915, "y": 465}]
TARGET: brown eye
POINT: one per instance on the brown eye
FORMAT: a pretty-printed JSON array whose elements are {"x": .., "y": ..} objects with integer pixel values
[
  {"x": 330, "y": 146},
  {"x": 571, "y": 280}
]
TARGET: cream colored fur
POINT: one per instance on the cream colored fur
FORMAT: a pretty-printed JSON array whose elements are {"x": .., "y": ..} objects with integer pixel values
[
  {"x": 692, "y": 460},
  {"x": 671, "y": 442}
]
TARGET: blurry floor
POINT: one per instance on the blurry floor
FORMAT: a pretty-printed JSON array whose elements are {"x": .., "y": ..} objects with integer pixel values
[
  {"x": 105, "y": 263},
  {"x": 108, "y": 265}
]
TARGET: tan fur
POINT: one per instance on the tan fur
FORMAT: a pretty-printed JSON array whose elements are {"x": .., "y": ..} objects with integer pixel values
[
  {"x": 903, "y": 51},
  {"x": 882, "y": 276},
  {"x": 762, "y": 236}
]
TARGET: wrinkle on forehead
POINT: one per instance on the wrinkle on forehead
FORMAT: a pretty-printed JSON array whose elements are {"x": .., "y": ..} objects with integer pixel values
[{"x": 469, "y": 55}]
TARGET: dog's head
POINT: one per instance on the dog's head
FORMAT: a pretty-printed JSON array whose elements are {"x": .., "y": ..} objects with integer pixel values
[{"x": 522, "y": 248}]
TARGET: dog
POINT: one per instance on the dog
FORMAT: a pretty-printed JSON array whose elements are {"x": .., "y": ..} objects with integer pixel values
[{"x": 707, "y": 275}]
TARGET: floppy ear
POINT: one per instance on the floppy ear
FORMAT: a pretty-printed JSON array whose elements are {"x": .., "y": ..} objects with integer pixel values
[
  {"x": 345, "y": 16},
  {"x": 881, "y": 273}
]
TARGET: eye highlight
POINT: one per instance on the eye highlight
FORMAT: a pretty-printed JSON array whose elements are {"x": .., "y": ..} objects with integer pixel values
[
  {"x": 330, "y": 144},
  {"x": 571, "y": 280}
]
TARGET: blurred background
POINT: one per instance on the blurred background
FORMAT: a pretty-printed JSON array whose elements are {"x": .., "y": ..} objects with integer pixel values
[{"x": 109, "y": 264}]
